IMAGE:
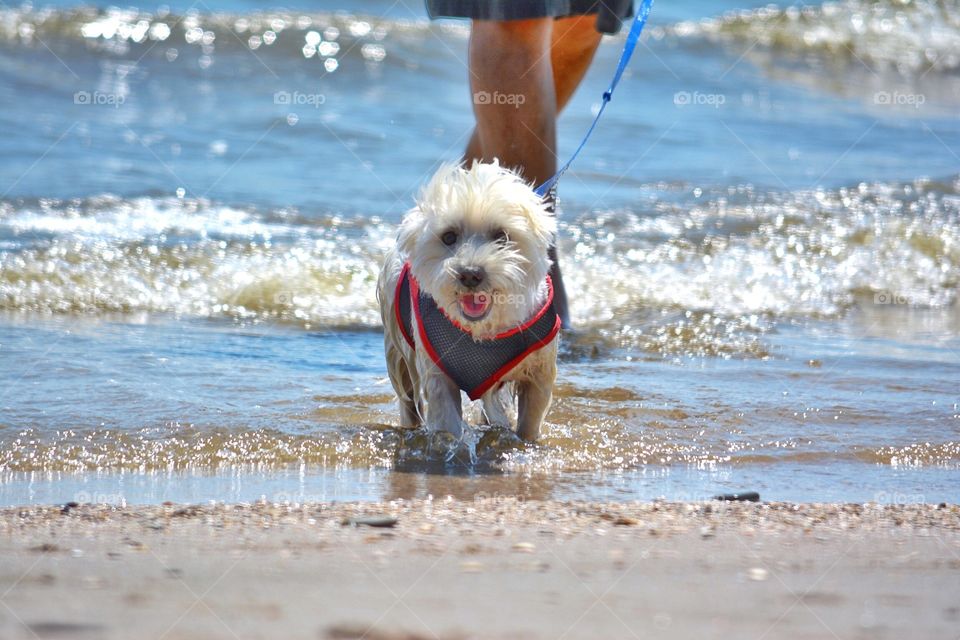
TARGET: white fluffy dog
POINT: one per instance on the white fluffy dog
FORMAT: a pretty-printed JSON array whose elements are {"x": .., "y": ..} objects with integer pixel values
[{"x": 467, "y": 304}]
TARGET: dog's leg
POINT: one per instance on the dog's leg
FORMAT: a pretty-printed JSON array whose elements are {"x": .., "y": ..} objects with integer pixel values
[
  {"x": 404, "y": 386},
  {"x": 495, "y": 411},
  {"x": 533, "y": 400},
  {"x": 409, "y": 407},
  {"x": 444, "y": 409}
]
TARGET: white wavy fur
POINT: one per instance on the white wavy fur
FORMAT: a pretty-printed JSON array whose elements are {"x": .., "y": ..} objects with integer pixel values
[{"x": 480, "y": 204}]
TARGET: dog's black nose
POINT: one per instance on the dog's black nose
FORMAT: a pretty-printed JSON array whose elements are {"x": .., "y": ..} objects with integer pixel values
[{"x": 472, "y": 277}]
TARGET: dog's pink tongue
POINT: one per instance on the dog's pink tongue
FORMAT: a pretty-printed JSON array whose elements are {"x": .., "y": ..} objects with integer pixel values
[{"x": 474, "y": 304}]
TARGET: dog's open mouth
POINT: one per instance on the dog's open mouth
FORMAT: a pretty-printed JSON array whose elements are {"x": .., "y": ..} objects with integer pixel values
[{"x": 475, "y": 306}]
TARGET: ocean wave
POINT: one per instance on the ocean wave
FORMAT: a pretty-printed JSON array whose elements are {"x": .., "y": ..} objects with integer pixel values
[
  {"x": 805, "y": 253},
  {"x": 322, "y": 36},
  {"x": 705, "y": 273},
  {"x": 909, "y": 36},
  {"x": 185, "y": 257}
]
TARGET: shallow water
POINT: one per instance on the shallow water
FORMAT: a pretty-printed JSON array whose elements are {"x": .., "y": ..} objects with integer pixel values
[{"x": 762, "y": 241}]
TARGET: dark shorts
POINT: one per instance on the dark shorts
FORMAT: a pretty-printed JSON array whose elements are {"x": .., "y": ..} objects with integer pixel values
[{"x": 610, "y": 13}]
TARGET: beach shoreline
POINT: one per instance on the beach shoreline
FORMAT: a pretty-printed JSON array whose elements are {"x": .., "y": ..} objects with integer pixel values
[{"x": 488, "y": 568}]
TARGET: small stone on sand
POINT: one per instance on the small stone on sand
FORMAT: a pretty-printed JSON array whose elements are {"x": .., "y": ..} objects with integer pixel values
[
  {"x": 758, "y": 574},
  {"x": 744, "y": 496},
  {"x": 370, "y": 521}
]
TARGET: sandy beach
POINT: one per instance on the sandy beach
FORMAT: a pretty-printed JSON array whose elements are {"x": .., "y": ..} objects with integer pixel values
[{"x": 494, "y": 568}]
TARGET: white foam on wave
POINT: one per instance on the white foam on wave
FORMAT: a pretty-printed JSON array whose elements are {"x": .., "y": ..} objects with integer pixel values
[
  {"x": 800, "y": 254},
  {"x": 776, "y": 255},
  {"x": 184, "y": 257},
  {"x": 111, "y": 218},
  {"x": 311, "y": 35},
  {"x": 909, "y": 36}
]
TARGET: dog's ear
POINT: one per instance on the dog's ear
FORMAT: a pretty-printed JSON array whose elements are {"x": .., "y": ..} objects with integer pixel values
[
  {"x": 435, "y": 195},
  {"x": 542, "y": 223},
  {"x": 411, "y": 226}
]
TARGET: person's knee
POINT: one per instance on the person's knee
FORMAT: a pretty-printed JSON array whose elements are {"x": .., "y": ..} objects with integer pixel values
[
  {"x": 575, "y": 35},
  {"x": 519, "y": 36}
]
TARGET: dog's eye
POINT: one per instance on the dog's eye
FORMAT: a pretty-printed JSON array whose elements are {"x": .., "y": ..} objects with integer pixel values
[
  {"x": 501, "y": 236},
  {"x": 449, "y": 238}
]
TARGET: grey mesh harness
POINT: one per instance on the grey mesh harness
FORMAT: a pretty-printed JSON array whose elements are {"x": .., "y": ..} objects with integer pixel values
[{"x": 475, "y": 365}]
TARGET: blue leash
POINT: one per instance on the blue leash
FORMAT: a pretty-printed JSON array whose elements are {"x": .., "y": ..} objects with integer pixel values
[{"x": 632, "y": 39}]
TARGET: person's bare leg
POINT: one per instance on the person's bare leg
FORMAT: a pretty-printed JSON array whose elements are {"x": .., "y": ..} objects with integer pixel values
[
  {"x": 573, "y": 43},
  {"x": 511, "y": 80},
  {"x": 572, "y": 47}
]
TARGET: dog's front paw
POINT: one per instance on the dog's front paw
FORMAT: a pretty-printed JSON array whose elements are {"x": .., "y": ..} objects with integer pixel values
[
  {"x": 453, "y": 448},
  {"x": 436, "y": 446},
  {"x": 496, "y": 442}
]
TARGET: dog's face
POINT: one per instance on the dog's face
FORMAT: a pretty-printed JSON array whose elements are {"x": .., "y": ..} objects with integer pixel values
[{"x": 477, "y": 243}]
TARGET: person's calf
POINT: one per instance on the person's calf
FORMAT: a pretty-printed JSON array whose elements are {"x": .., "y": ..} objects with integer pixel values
[
  {"x": 514, "y": 100},
  {"x": 572, "y": 46}
]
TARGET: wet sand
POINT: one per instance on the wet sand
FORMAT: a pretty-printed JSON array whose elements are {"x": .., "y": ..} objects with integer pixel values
[{"x": 495, "y": 568}]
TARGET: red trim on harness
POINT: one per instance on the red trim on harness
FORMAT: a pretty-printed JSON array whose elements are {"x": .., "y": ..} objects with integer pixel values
[
  {"x": 415, "y": 301},
  {"x": 396, "y": 304},
  {"x": 539, "y": 314},
  {"x": 437, "y": 360}
]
